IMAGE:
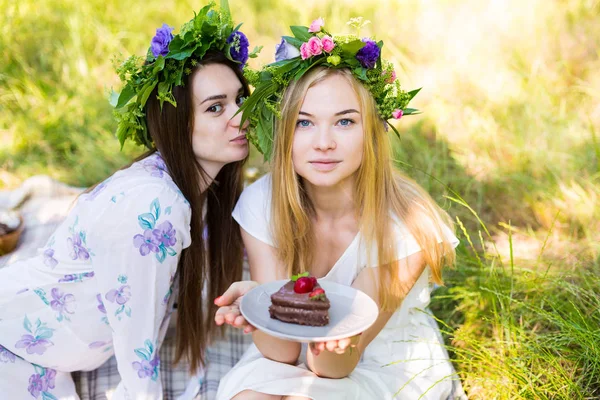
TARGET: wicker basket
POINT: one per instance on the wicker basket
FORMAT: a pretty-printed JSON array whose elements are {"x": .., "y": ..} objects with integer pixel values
[{"x": 9, "y": 241}]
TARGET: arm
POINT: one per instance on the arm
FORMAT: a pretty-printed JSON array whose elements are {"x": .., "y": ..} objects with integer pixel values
[
  {"x": 264, "y": 268},
  {"x": 137, "y": 244},
  {"x": 337, "y": 359}
]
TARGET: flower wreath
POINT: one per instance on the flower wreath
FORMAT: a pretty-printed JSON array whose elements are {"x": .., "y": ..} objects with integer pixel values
[
  {"x": 309, "y": 47},
  {"x": 168, "y": 59}
]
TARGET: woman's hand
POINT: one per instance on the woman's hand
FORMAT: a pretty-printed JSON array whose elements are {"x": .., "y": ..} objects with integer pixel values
[
  {"x": 335, "y": 346},
  {"x": 229, "y": 306}
]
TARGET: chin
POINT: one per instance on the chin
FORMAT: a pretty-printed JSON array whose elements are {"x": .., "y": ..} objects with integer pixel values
[
  {"x": 238, "y": 154},
  {"x": 324, "y": 179}
]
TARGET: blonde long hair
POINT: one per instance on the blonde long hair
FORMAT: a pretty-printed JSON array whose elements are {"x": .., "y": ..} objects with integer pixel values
[{"x": 380, "y": 190}]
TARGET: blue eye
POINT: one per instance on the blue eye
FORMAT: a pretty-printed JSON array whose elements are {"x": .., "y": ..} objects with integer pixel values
[
  {"x": 303, "y": 123},
  {"x": 345, "y": 122},
  {"x": 215, "y": 108}
]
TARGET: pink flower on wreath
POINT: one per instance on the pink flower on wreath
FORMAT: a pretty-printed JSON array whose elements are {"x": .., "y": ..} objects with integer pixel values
[
  {"x": 316, "y": 25},
  {"x": 327, "y": 42},
  {"x": 397, "y": 114},
  {"x": 392, "y": 77},
  {"x": 315, "y": 46},
  {"x": 305, "y": 51}
]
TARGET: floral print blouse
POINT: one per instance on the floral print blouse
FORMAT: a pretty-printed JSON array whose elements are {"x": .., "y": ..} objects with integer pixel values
[{"x": 103, "y": 283}]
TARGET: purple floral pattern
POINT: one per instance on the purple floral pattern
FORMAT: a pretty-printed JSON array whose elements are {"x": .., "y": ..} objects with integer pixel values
[
  {"x": 97, "y": 190},
  {"x": 120, "y": 297},
  {"x": 41, "y": 382},
  {"x": 61, "y": 303},
  {"x": 102, "y": 308},
  {"x": 76, "y": 277},
  {"x": 155, "y": 165},
  {"x": 148, "y": 367},
  {"x": 77, "y": 244},
  {"x": 156, "y": 239},
  {"x": 36, "y": 342},
  {"x": 6, "y": 356},
  {"x": 78, "y": 249},
  {"x": 49, "y": 259}
]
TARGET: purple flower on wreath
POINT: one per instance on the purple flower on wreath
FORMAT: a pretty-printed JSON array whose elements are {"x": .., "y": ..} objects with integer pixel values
[
  {"x": 155, "y": 165},
  {"x": 239, "y": 47},
  {"x": 369, "y": 54},
  {"x": 146, "y": 243},
  {"x": 145, "y": 368},
  {"x": 78, "y": 250},
  {"x": 285, "y": 51},
  {"x": 49, "y": 259},
  {"x": 165, "y": 234},
  {"x": 119, "y": 296},
  {"x": 62, "y": 302},
  {"x": 6, "y": 356},
  {"x": 100, "y": 304},
  {"x": 36, "y": 385},
  {"x": 33, "y": 345},
  {"x": 160, "y": 42}
]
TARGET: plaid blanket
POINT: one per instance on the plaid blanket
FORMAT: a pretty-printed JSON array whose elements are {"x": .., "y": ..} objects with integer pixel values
[{"x": 43, "y": 204}]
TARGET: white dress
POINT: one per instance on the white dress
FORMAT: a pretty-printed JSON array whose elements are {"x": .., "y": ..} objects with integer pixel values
[
  {"x": 407, "y": 360},
  {"x": 102, "y": 285}
]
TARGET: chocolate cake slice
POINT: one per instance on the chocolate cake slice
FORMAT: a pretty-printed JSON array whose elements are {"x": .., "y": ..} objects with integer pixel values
[{"x": 308, "y": 308}]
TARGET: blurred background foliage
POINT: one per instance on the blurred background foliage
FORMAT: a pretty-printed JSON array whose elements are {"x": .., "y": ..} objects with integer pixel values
[{"x": 509, "y": 143}]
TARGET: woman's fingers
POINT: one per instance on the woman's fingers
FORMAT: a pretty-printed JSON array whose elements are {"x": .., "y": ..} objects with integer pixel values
[
  {"x": 335, "y": 346},
  {"x": 314, "y": 348},
  {"x": 343, "y": 344},
  {"x": 331, "y": 345},
  {"x": 234, "y": 292},
  {"x": 226, "y": 314}
]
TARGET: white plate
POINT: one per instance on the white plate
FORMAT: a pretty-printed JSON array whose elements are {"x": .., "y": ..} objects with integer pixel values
[{"x": 351, "y": 313}]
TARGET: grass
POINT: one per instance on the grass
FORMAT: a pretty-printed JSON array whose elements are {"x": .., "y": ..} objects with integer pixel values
[{"x": 509, "y": 143}]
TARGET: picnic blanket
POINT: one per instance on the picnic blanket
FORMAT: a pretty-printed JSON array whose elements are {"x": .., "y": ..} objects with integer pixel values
[{"x": 44, "y": 203}]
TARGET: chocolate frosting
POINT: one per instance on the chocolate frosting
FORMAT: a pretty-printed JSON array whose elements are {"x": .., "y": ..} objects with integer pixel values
[
  {"x": 298, "y": 308},
  {"x": 287, "y": 297}
]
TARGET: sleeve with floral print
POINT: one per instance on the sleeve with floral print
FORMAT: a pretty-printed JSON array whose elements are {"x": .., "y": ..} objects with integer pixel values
[{"x": 137, "y": 242}]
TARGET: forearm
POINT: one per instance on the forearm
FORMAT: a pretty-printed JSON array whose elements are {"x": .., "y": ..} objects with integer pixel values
[
  {"x": 276, "y": 349},
  {"x": 332, "y": 365}
]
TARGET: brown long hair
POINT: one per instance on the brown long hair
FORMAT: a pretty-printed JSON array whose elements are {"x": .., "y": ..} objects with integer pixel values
[
  {"x": 214, "y": 259},
  {"x": 379, "y": 190}
]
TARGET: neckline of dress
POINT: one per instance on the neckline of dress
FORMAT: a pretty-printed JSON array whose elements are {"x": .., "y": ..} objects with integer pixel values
[{"x": 343, "y": 256}]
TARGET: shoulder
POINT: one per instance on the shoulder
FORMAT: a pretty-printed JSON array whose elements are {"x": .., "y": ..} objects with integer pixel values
[
  {"x": 256, "y": 197},
  {"x": 253, "y": 210},
  {"x": 140, "y": 181},
  {"x": 259, "y": 190},
  {"x": 427, "y": 225}
]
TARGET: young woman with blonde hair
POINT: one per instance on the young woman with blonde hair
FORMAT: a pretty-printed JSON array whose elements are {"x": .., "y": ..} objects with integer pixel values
[{"x": 335, "y": 206}]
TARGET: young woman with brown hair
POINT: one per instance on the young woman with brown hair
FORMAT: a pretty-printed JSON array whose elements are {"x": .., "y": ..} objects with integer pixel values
[{"x": 105, "y": 283}]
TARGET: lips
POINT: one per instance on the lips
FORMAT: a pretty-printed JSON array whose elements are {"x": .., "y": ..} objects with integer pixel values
[
  {"x": 324, "y": 164},
  {"x": 240, "y": 138}
]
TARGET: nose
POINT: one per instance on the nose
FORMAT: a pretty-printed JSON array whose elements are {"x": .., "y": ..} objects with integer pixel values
[
  {"x": 236, "y": 119},
  {"x": 324, "y": 140}
]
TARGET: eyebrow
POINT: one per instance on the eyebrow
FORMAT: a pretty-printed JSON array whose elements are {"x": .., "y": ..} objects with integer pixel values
[
  {"x": 220, "y": 96},
  {"x": 349, "y": 111}
]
